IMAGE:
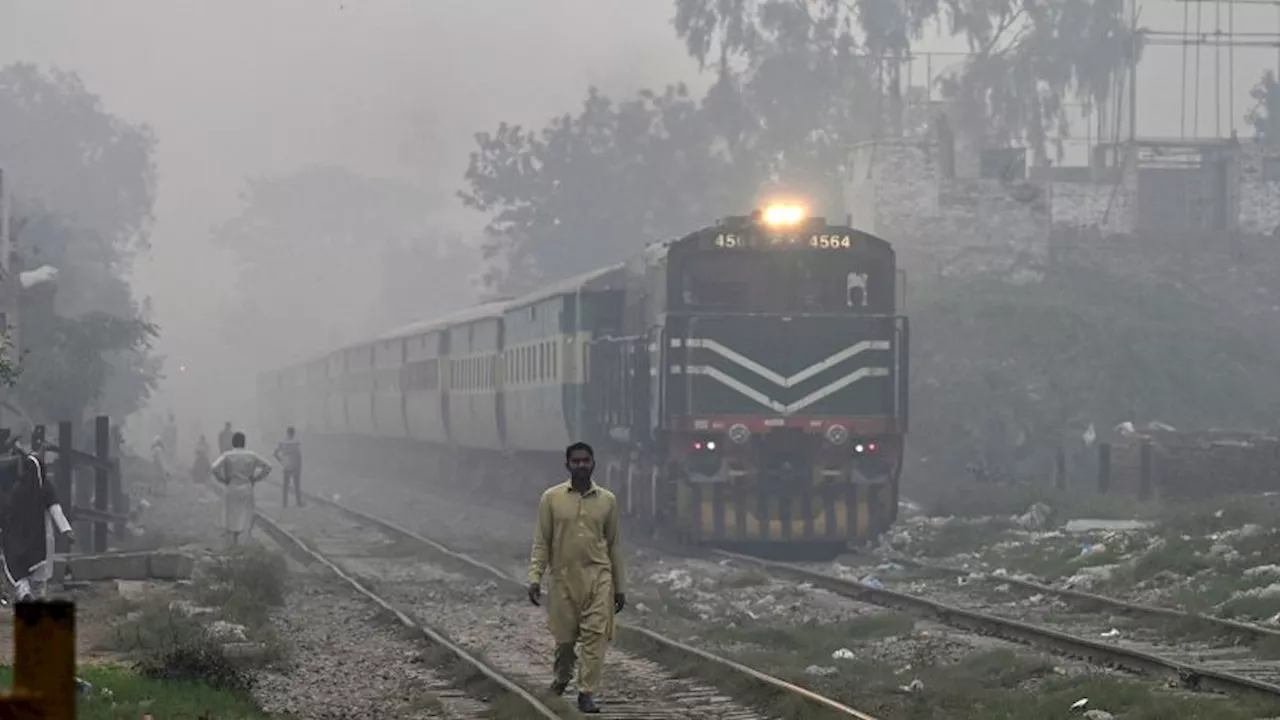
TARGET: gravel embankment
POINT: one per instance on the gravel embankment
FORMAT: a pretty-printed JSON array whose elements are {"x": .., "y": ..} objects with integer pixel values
[
  {"x": 343, "y": 661},
  {"x": 495, "y": 623}
]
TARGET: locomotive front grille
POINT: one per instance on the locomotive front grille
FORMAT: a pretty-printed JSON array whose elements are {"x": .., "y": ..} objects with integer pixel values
[{"x": 729, "y": 512}]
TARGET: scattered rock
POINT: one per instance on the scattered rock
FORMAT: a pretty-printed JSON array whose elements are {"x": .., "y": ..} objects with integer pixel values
[
  {"x": 1036, "y": 517},
  {"x": 224, "y": 631}
]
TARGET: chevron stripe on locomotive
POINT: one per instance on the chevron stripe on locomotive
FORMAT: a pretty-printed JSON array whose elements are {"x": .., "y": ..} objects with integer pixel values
[{"x": 744, "y": 386}]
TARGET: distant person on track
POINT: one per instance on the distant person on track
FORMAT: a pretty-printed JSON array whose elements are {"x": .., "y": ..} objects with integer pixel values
[
  {"x": 29, "y": 512},
  {"x": 579, "y": 541},
  {"x": 200, "y": 468},
  {"x": 239, "y": 470},
  {"x": 289, "y": 454},
  {"x": 224, "y": 438},
  {"x": 160, "y": 466}
]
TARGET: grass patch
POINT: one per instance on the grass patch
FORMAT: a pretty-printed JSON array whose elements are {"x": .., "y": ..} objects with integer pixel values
[
  {"x": 1052, "y": 560},
  {"x": 1226, "y": 513},
  {"x": 245, "y": 584},
  {"x": 167, "y": 644},
  {"x": 1129, "y": 699},
  {"x": 962, "y": 536},
  {"x": 744, "y": 579},
  {"x": 815, "y": 641},
  {"x": 971, "y": 500},
  {"x": 132, "y": 696},
  {"x": 1002, "y": 684}
]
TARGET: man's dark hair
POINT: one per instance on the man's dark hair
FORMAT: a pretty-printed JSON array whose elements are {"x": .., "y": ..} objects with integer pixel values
[
  {"x": 237, "y": 441},
  {"x": 289, "y": 430},
  {"x": 578, "y": 446}
]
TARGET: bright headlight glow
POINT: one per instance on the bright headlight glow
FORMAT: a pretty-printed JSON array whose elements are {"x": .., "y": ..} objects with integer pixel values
[{"x": 782, "y": 215}]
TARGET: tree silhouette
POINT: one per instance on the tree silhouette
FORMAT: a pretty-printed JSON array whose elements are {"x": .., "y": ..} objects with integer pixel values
[
  {"x": 84, "y": 183},
  {"x": 1030, "y": 57},
  {"x": 591, "y": 188},
  {"x": 1264, "y": 116}
]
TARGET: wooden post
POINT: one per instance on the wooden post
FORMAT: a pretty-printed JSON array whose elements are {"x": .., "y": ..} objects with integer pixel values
[
  {"x": 101, "y": 479},
  {"x": 1104, "y": 467},
  {"x": 1145, "y": 472},
  {"x": 119, "y": 500},
  {"x": 64, "y": 479},
  {"x": 44, "y": 662}
]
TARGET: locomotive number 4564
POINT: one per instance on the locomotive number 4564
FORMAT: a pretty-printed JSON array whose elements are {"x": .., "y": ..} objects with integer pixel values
[{"x": 825, "y": 242}]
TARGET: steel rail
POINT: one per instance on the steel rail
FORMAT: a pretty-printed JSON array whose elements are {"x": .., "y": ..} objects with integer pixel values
[
  {"x": 774, "y": 682},
  {"x": 1227, "y": 625},
  {"x": 1191, "y": 676},
  {"x": 290, "y": 542}
]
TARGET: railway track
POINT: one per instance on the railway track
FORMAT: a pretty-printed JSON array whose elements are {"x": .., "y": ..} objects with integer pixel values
[
  {"x": 1192, "y": 665},
  {"x": 490, "y": 627},
  {"x": 1225, "y": 627}
]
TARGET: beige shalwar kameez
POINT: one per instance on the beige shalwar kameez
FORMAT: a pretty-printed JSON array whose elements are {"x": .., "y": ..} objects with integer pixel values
[{"x": 579, "y": 540}]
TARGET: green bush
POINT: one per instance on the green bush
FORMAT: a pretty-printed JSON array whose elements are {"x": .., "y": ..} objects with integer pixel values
[
  {"x": 245, "y": 584},
  {"x": 169, "y": 645}
]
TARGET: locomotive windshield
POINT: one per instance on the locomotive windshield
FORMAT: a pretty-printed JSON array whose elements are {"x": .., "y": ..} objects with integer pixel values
[{"x": 793, "y": 281}]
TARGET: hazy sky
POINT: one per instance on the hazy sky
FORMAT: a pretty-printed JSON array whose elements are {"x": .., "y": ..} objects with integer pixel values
[{"x": 392, "y": 88}]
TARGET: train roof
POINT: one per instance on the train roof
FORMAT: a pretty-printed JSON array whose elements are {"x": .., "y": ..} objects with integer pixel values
[
  {"x": 482, "y": 311},
  {"x": 599, "y": 279}
]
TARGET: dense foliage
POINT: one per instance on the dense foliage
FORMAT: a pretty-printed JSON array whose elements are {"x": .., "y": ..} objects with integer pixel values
[
  {"x": 84, "y": 186},
  {"x": 796, "y": 84},
  {"x": 1005, "y": 374}
]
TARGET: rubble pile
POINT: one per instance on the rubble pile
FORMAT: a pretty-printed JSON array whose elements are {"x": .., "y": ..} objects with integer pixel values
[
  {"x": 720, "y": 593},
  {"x": 1219, "y": 562}
]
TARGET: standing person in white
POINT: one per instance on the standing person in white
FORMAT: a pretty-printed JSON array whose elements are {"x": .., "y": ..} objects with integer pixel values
[
  {"x": 30, "y": 512},
  {"x": 238, "y": 470}
]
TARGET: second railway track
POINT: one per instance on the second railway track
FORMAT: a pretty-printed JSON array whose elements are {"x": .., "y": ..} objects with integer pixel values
[
  {"x": 1233, "y": 669},
  {"x": 490, "y": 626}
]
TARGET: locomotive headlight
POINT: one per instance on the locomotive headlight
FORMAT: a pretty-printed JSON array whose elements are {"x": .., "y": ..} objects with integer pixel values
[
  {"x": 837, "y": 434},
  {"x": 739, "y": 433},
  {"x": 783, "y": 215}
]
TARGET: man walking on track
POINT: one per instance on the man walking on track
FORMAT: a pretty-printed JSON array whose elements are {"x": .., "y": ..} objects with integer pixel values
[
  {"x": 29, "y": 510},
  {"x": 224, "y": 438},
  {"x": 289, "y": 455},
  {"x": 579, "y": 540},
  {"x": 238, "y": 470}
]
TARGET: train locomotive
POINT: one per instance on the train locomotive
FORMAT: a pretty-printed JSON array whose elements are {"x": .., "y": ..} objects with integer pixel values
[{"x": 744, "y": 386}]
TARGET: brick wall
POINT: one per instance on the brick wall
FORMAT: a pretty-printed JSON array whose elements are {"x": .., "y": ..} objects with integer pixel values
[{"x": 1190, "y": 466}]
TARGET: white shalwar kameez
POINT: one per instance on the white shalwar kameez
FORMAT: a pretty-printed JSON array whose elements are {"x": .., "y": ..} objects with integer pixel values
[{"x": 238, "y": 470}]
